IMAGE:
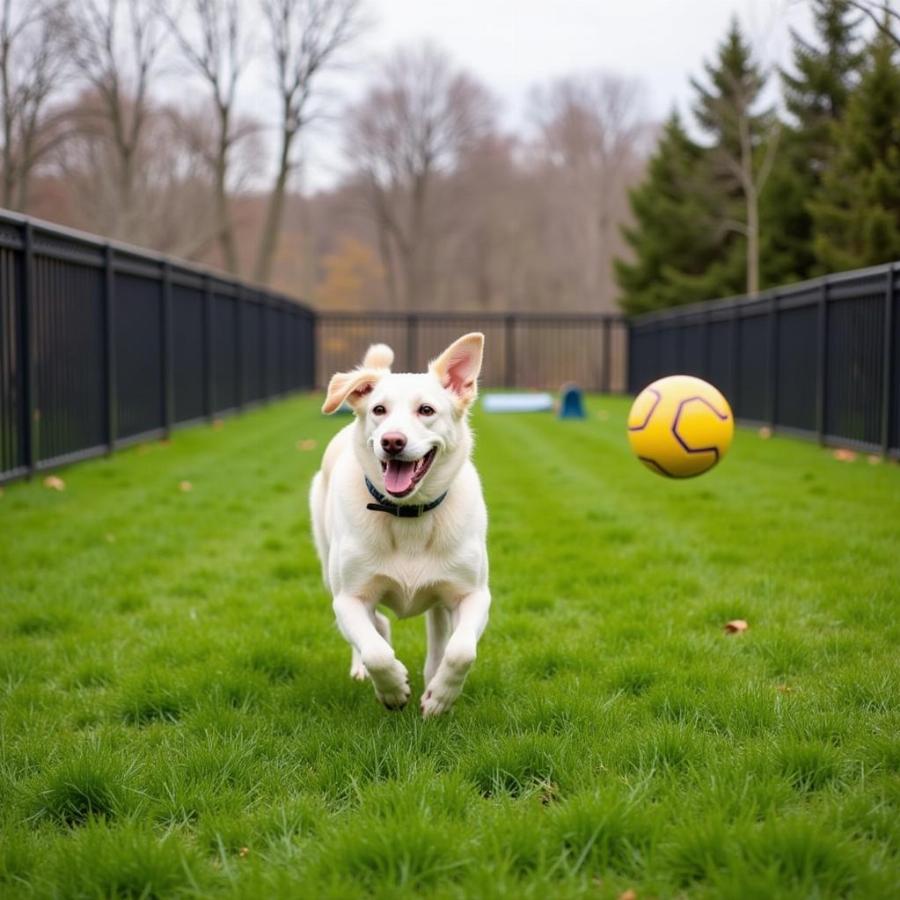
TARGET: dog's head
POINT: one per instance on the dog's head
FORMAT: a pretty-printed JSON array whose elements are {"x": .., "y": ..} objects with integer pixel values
[{"x": 412, "y": 429}]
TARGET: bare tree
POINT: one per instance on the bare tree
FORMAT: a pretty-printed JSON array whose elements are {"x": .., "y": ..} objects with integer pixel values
[
  {"x": 117, "y": 46},
  {"x": 33, "y": 59},
  {"x": 306, "y": 37},
  {"x": 885, "y": 16},
  {"x": 410, "y": 129},
  {"x": 591, "y": 136},
  {"x": 213, "y": 42}
]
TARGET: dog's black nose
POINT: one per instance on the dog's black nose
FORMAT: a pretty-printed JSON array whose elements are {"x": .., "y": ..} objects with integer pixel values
[{"x": 393, "y": 442}]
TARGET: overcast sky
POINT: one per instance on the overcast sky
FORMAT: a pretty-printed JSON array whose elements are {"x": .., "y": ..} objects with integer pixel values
[{"x": 512, "y": 46}]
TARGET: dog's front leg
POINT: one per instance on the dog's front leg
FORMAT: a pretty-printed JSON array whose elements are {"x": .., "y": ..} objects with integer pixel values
[
  {"x": 388, "y": 674},
  {"x": 438, "y": 625},
  {"x": 469, "y": 619}
]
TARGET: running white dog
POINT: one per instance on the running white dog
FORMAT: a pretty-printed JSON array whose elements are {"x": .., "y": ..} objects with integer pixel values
[{"x": 399, "y": 519}]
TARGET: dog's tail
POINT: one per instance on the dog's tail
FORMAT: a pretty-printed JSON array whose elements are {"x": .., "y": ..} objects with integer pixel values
[{"x": 378, "y": 356}]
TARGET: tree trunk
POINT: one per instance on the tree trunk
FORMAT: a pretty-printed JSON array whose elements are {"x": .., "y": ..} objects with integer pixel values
[
  {"x": 752, "y": 243},
  {"x": 268, "y": 242},
  {"x": 223, "y": 211}
]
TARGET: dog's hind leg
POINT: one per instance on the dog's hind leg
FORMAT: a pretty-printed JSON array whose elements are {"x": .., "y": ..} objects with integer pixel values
[{"x": 357, "y": 669}]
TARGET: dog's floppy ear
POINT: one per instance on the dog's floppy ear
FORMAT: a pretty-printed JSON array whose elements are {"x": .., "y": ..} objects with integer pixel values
[
  {"x": 350, "y": 387},
  {"x": 458, "y": 366}
]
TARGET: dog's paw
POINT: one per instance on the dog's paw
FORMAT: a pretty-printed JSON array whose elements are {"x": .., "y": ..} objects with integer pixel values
[
  {"x": 358, "y": 672},
  {"x": 438, "y": 699},
  {"x": 391, "y": 684}
]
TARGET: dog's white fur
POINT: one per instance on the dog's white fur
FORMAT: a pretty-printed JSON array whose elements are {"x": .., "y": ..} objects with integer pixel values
[{"x": 436, "y": 563}]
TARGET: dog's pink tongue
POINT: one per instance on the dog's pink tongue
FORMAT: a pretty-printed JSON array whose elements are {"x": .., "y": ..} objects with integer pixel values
[{"x": 398, "y": 476}]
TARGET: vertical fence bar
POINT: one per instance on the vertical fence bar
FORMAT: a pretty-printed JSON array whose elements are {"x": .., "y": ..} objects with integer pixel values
[
  {"x": 772, "y": 387},
  {"x": 510, "y": 342},
  {"x": 411, "y": 343},
  {"x": 312, "y": 348},
  {"x": 240, "y": 319},
  {"x": 168, "y": 361},
  {"x": 28, "y": 340},
  {"x": 607, "y": 352},
  {"x": 264, "y": 307},
  {"x": 209, "y": 359},
  {"x": 735, "y": 357},
  {"x": 887, "y": 373},
  {"x": 822, "y": 362},
  {"x": 109, "y": 349},
  {"x": 705, "y": 343}
]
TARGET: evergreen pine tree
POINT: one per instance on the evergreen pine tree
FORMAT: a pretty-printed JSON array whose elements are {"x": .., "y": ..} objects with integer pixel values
[
  {"x": 673, "y": 235},
  {"x": 815, "y": 95},
  {"x": 857, "y": 211}
]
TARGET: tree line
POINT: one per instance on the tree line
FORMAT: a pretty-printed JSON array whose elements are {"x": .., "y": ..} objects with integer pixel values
[
  {"x": 762, "y": 196},
  {"x": 124, "y": 118},
  {"x": 129, "y": 108},
  {"x": 129, "y": 118}
]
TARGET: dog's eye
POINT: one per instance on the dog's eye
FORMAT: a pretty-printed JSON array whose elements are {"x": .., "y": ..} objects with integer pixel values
[
  {"x": 426, "y": 410},
  {"x": 378, "y": 410}
]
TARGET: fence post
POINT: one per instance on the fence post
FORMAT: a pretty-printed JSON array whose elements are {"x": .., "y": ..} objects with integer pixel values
[
  {"x": 735, "y": 357},
  {"x": 887, "y": 374},
  {"x": 705, "y": 348},
  {"x": 109, "y": 349},
  {"x": 411, "y": 344},
  {"x": 312, "y": 348},
  {"x": 607, "y": 345},
  {"x": 208, "y": 348},
  {"x": 239, "y": 347},
  {"x": 168, "y": 366},
  {"x": 510, "y": 341},
  {"x": 264, "y": 313},
  {"x": 27, "y": 324},
  {"x": 821, "y": 362},
  {"x": 772, "y": 399}
]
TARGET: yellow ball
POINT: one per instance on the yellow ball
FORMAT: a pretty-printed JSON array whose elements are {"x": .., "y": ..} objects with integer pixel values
[{"x": 680, "y": 426}]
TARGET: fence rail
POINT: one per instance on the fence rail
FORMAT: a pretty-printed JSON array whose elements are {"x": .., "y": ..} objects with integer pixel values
[
  {"x": 102, "y": 345},
  {"x": 817, "y": 359}
]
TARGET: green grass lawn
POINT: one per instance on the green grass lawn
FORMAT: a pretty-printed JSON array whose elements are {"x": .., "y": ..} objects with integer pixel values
[{"x": 177, "y": 716}]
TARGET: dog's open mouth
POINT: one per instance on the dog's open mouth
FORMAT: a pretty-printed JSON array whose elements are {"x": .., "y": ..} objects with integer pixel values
[{"x": 402, "y": 475}]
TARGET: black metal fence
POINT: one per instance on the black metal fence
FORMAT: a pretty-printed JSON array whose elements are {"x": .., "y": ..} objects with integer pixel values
[
  {"x": 524, "y": 350},
  {"x": 818, "y": 359},
  {"x": 102, "y": 345}
]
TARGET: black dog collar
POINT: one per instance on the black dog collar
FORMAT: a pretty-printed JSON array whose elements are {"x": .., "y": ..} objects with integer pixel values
[{"x": 395, "y": 509}]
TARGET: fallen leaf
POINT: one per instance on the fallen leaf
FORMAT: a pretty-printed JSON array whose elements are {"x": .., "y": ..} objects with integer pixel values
[
  {"x": 874, "y": 460},
  {"x": 765, "y": 432},
  {"x": 165, "y": 442},
  {"x": 244, "y": 852},
  {"x": 736, "y": 626},
  {"x": 784, "y": 689},
  {"x": 218, "y": 424},
  {"x": 185, "y": 486},
  {"x": 54, "y": 483},
  {"x": 630, "y": 894},
  {"x": 306, "y": 444},
  {"x": 844, "y": 455}
]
